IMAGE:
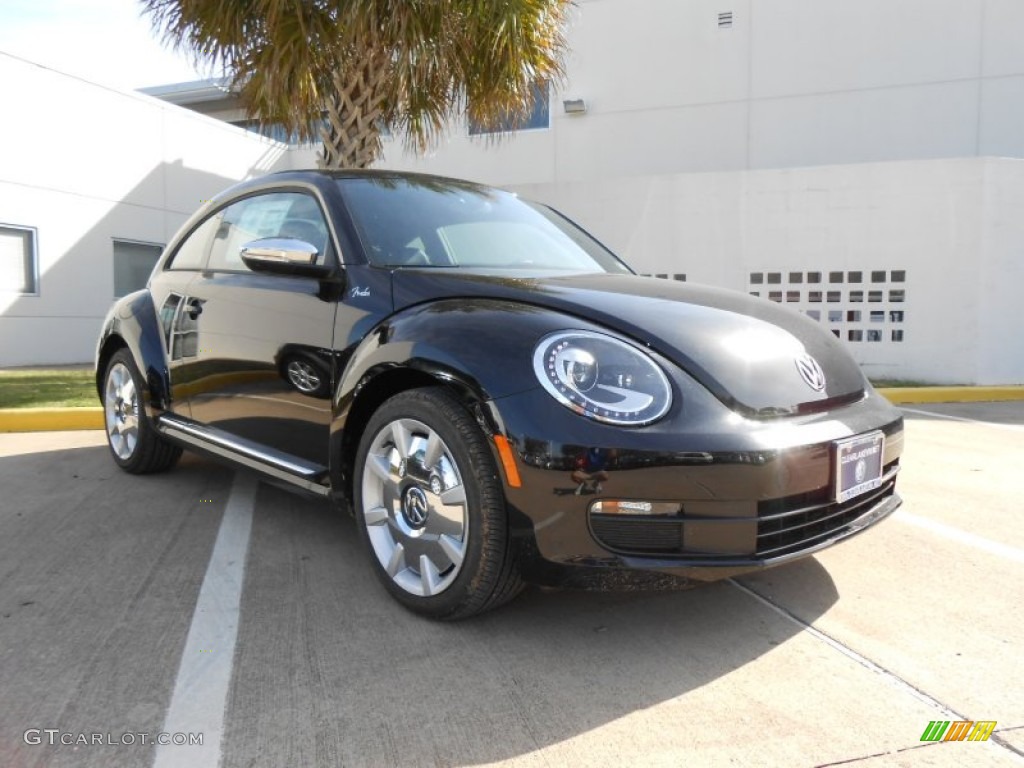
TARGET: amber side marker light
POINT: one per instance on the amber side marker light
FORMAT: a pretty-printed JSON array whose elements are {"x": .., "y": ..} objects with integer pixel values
[
  {"x": 627, "y": 507},
  {"x": 508, "y": 461}
]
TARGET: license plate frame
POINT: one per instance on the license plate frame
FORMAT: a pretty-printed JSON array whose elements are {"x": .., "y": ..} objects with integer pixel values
[{"x": 858, "y": 465}]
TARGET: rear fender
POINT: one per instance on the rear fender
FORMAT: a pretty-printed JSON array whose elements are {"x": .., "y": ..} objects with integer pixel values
[{"x": 133, "y": 323}]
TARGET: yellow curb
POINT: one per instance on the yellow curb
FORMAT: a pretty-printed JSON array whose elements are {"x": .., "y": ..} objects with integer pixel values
[
  {"x": 908, "y": 395},
  {"x": 50, "y": 419}
]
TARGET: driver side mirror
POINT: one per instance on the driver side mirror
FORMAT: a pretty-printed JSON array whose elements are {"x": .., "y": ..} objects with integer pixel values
[{"x": 281, "y": 255}]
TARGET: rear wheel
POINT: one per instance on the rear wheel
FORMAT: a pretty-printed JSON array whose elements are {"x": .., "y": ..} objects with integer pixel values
[
  {"x": 430, "y": 506},
  {"x": 135, "y": 445}
]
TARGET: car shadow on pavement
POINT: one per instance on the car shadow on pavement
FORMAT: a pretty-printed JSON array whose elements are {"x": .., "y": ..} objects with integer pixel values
[{"x": 330, "y": 670}]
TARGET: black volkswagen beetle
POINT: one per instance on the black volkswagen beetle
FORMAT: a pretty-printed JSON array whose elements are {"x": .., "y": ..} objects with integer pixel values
[{"x": 492, "y": 392}]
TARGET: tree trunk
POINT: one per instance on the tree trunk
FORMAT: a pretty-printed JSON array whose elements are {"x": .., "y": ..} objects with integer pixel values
[{"x": 351, "y": 135}]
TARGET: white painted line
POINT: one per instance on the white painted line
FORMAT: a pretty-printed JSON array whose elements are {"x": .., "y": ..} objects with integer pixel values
[
  {"x": 921, "y": 412},
  {"x": 961, "y": 536},
  {"x": 204, "y": 676}
]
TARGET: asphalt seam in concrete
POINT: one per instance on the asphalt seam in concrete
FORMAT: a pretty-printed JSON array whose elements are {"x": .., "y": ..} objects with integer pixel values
[
  {"x": 945, "y": 711},
  {"x": 201, "y": 689}
]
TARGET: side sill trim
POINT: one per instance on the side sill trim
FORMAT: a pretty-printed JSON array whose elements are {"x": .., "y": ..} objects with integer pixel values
[{"x": 292, "y": 470}]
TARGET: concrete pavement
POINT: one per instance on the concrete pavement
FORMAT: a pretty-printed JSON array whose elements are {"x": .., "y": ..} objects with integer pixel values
[{"x": 840, "y": 658}]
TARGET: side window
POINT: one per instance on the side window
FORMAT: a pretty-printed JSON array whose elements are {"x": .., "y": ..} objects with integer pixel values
[
  {"x": 191, "y": 254},
  {"x": 291, "y": 215}
]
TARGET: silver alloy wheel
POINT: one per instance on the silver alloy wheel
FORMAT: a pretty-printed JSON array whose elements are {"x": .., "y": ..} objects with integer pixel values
[
  {"x": 121, "y": 409},
  {"x": 414, "y": 506},
  {"x": 303, "y": 376}
]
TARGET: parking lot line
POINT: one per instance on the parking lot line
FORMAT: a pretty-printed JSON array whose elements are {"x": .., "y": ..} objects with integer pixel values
[
  {"x": 204, "y": 675},
  {"x": 961, "y": 536}
]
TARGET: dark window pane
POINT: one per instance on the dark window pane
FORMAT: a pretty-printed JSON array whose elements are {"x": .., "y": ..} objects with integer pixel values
[
  {"x": 878, "y": 276},
  {"x": 133, "y": 263},
  {"x": 814, "y": 277},
  {"x": 774, "y": 277},
  {"x": 898, "y": 276},
  {"x": 835, "y": 277},
  {"x": 756, "y": 278},
  {"x": 796, "y": 277},
  {"x": 854, "y": 277}
]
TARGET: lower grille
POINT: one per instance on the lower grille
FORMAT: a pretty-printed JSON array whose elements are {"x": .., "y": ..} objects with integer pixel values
[
  {"x": 794, "y": 523},
  {"x": 784, "y": 526},
  {"x": 643, "y": 535}
]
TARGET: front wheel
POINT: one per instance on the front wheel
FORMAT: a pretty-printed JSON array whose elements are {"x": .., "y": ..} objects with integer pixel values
[
  {"x": 430, "y": 505},
  {"x": 134, "y": 444}
]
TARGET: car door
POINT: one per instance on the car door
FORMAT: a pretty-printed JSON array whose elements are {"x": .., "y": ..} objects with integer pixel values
[{"x": 261, "y": 364}]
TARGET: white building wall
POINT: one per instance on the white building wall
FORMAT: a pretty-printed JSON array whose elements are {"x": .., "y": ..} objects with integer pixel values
[
  {"x": 84, "y": 164},
  {"x": 790, "y": 83},
  {"x": 951, "y": 226},
  {"x": 811, "y": 135}
]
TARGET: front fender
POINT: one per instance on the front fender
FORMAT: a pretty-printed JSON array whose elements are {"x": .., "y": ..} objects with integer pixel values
[
  {"x": 481, "y": 348},
  {"x": 133, "y": 319}
]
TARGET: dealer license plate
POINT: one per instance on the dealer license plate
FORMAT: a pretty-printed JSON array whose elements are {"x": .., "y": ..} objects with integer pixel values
[{"x": 858, "y": 465}]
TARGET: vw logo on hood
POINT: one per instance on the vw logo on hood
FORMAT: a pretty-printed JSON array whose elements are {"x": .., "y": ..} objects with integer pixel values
[{"x": 811, "y": 372}]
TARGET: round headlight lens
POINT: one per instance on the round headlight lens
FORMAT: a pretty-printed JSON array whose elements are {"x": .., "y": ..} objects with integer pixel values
[{"x": 601, "y": 377}]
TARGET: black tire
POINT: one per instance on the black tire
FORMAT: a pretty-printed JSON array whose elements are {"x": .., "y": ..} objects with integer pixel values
[
  {"x": 410, "y": 500},
  {"x": 133, "y": 442}
]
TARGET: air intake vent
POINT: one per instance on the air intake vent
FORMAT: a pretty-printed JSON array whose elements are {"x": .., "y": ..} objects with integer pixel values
[{"x": 725, "y": 19}]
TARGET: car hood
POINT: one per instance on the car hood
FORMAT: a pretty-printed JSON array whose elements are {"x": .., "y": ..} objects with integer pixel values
[{"x": 743, "y": 349}]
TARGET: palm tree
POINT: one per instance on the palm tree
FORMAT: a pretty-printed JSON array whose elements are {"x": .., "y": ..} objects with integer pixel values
[{"x": 344, "y": 71}]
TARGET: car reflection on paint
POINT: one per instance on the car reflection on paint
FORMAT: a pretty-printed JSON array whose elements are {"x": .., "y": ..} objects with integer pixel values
[{"x": 495, "y": 396}]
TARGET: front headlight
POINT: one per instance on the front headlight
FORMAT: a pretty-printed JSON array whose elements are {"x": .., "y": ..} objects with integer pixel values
[{"x": 601, "y": 377}]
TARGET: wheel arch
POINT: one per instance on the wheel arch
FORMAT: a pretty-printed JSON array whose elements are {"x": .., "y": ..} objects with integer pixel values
[
  {"x": 482, "y": 349},
  {"x": 132, "y": 324}
]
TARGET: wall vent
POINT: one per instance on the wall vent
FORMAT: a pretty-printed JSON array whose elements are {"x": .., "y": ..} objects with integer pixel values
[
  {"x": 844, "y": 318},
  {"x": 725, "y": 19}
]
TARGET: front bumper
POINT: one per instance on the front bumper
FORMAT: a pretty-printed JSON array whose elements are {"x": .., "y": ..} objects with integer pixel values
[{"x": 747, "y": 495}]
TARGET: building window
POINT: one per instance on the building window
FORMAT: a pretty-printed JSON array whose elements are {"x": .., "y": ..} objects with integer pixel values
[
  {"x": 539, "y": 117},
  {"x": 277, "y": 132},
  {"x": 19, "y": 261},
  {"x": 133, "y": 262}
]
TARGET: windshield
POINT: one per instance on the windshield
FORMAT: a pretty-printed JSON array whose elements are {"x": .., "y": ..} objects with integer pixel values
[{"x": 425, "y": 222}]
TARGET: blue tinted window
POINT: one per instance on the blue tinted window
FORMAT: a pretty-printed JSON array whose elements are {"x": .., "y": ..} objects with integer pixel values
[{"x": 539, "y": 117}]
